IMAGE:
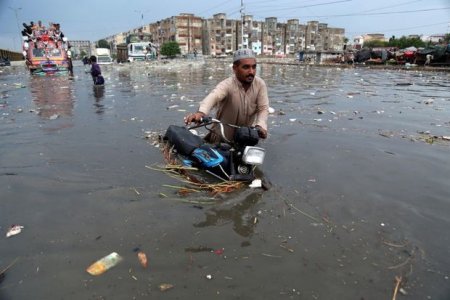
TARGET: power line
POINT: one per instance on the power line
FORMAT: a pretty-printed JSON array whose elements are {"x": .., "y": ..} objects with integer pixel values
[
  {"x": 391, "y": 6},
  {"x": 305, "y": 6},
  {"x": 379, "y": 13},
  {"x": 214, "y": 7}
]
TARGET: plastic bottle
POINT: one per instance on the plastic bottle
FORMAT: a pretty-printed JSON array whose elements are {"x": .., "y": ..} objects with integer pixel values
[{"x": 104, "y": 264}]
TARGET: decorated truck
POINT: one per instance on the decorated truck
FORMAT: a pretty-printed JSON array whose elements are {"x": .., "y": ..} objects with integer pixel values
[{"x": 45, "y": 49}]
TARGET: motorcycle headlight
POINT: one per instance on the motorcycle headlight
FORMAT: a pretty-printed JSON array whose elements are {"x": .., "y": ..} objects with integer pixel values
[{"x": 253, "y": 155}]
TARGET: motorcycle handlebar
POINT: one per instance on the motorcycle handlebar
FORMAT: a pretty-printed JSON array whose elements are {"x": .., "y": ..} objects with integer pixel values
[
  {"x": 209, "y": 120},
  {"x": 204, "y": 121}
]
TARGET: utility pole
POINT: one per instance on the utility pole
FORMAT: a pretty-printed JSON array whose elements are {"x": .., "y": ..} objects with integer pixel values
[
  {"x": 242, "y": 24},
  {"x": 189, "y": 34},
  {"x": 142, "y": 17},
  {"x": 17, "y": 21},
  {"x": 262, "y": 38}
]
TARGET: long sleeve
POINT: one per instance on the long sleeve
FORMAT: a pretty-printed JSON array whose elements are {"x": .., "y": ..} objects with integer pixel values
[{"x": 238, "y": 106}]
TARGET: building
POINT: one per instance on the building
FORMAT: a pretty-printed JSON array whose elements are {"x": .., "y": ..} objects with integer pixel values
[
  {"x": 186, "y": 29},
  {"x": 433, "y": 39},
  {"x": 80, "y": 48},
  {"x": 359, "y": 41},
  {"x": 220, "y": 36}
]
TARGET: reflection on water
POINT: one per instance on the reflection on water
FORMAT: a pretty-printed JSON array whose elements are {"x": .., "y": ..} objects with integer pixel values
[
  {"x": 53, "y": 96},
  {"x": 99, "y": 94},
  {"x": 241, "y": 214}
]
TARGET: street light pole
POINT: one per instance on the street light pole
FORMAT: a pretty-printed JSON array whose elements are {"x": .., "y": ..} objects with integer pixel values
[
  {"x": 17, "y": 21},
  {"x": 242, "y": 24},
  {"x": 141, "y": 12}
]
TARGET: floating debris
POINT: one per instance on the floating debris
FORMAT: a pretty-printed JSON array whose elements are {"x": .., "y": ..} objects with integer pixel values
[
  {"x": 257, "y": 183},
  {"x": 3, "y": 272},
  {"x": 142, "y": 257},
  {"x": 104, "y": 264},
  {"x": 165, "y": 287},
  {"x": 14, "y": 230}
]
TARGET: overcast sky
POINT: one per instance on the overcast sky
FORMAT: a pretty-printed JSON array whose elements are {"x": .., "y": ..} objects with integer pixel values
[{"x": 96, "y": 19}]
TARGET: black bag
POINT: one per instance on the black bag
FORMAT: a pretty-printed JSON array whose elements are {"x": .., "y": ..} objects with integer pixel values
[
  {"x": 247, "y": 136},
  {"x": 99, "y": 80},
  {"x": 183, "y": 140}
]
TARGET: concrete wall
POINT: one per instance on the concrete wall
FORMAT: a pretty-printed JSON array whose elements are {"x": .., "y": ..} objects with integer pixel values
[{"x": 11, "y": 55}]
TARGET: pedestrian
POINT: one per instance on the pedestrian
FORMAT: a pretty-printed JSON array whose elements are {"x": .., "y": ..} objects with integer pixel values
[
  {"x": 428, "y": 60},
  {"x": 85, "y": 64},
  {"x": 96, "y": 72},
  {"x": 69, "y": 60},
  {"x": 240, "y": 100}
]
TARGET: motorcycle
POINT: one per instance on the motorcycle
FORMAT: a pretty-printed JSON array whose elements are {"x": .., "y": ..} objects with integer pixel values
[{"x": 229, "y": 160}]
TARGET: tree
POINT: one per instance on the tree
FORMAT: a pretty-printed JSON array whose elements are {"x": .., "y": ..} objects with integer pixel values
[
  {"x": 405, "y": 42},
  {"x": 374, "y": 44},
  {"x": 447, "y": 38},
  {"x": 102, "y": 44},
  {"x": 170, "y": 49}
]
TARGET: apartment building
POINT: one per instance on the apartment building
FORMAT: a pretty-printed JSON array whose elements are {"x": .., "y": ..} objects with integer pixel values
[
  {"x": 79, "y": 47},
  {"x": 218, "y": 36},
  {"x": 186, "y": 29}
]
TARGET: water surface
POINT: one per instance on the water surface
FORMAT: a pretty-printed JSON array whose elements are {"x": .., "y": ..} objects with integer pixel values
[{"x": 356, "y": 157}]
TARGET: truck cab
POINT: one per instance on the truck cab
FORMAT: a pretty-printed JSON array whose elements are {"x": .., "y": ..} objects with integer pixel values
[
  {"x": 138, "y": 47},
  {"x": 103, "y": 56}
]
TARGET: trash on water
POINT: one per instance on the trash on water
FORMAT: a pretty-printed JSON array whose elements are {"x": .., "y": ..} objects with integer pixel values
[
  {"x": 104, "y": 264},
  {"x": 219, "y": 251},
  {"x": 3, "y": 271},
  {"x": 257, "y": 183},
  {"x": 165, "y": 287},
  {"x": 13, "y": 230},
  {"x": 209, "y": 277},
  {"x": 271, "y": 110},
  {"x": 142, "y": 257}
]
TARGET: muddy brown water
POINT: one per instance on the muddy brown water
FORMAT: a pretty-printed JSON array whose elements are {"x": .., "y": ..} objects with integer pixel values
[{"x": 360, "y": 194}]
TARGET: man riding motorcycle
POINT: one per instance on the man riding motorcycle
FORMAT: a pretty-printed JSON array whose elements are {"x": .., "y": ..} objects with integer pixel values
[{"x": 240, "y": 100}]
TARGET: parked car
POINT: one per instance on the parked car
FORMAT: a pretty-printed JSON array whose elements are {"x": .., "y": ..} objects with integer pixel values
[{"x": 4, "y": 62}]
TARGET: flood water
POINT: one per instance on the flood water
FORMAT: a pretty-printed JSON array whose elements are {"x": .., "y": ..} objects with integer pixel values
[{"x": 358, "y": 160}]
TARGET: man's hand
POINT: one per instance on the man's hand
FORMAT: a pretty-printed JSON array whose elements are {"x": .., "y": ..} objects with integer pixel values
[
  {"x": 194, "y": 118},
  {"x": 261, "y": 132}
]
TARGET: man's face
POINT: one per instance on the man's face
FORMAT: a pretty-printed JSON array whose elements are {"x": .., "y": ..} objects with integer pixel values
[{"x": 246, "y": 70}]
